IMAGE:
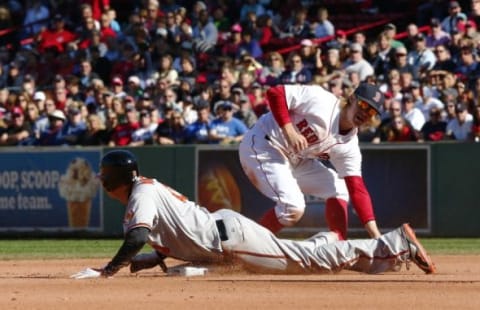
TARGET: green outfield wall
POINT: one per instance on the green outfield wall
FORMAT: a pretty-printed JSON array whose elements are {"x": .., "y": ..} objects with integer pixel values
[
  {"x": 455, "y": 189},
  {"x": 436, "y": 187}
]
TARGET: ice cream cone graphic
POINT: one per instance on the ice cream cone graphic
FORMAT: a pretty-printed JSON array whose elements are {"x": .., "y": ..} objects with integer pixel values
[{"x": 78, "y": 186}]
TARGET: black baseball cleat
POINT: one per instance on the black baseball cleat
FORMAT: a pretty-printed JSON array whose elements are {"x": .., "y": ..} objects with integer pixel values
[{"x": 418, "y": 255}]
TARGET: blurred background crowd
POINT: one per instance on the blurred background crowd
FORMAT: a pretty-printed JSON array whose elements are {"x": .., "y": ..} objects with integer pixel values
[{"x": 118, "y": 72}]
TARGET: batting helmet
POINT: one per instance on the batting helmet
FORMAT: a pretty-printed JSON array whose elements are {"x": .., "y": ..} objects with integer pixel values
[{"x": 117, "y": 168}]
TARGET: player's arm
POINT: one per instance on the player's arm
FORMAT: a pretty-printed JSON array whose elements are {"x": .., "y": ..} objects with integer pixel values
[
  {"x": 279, "y": 107},
  {"x": 362, "y": 203},
  {"x": 134, "y": 241}
]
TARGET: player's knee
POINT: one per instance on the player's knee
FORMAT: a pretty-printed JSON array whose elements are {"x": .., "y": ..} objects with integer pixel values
[{"x": 291, "y": 216}]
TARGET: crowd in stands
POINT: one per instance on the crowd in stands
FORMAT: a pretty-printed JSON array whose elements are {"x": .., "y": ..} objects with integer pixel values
[{"x": 174, "y": 72}]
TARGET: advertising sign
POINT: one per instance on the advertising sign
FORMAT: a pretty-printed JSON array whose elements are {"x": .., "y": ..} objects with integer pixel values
[
  {"x": 397, "y": 180},
  {"x": 50, "y": 190}
]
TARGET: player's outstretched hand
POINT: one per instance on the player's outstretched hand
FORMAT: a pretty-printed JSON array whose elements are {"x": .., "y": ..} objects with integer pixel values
[{"x": 87, "y": 274}]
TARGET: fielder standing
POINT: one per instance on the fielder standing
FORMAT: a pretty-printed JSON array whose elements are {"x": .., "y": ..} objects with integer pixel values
[
  {"x": 281, "y": 153},
  {"x": 176, "y": 227}
]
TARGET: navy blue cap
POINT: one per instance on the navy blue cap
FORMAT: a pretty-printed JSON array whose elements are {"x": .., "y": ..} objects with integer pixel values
[{"x": 370, "y": 94}]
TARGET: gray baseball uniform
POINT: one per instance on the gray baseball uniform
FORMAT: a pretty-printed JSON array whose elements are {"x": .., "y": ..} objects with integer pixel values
[{"x": 181, "y": 229}]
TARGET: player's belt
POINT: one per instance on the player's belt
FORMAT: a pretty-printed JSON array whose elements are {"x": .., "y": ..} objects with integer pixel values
[{"x": 221, "y": 230}]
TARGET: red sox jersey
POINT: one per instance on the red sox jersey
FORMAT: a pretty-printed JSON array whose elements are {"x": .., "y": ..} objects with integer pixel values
[
  {"x": 179, "y": 228},
  {"x": 315, "y": 114}
]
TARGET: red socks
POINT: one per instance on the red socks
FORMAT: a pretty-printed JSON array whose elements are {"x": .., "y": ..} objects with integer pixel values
[
  {"x": 270, "y": 221},
  {"x": 336, "y": 214}
]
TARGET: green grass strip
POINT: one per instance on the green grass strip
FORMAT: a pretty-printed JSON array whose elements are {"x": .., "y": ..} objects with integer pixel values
[{"x": 106, "y": 248}]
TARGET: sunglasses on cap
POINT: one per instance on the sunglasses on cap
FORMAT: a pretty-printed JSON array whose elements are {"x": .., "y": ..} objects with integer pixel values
[{"x": 365, "y": 106}]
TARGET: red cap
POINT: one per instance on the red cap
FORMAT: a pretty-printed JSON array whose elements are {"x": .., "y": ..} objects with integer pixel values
[
  {"x": 463, "y": 25},
  {"x": 17, "y": 111},
  {"x": 340, "y": 33},
  {"x": 117, "y": 81},
  {"x": 201, "y": 79}
]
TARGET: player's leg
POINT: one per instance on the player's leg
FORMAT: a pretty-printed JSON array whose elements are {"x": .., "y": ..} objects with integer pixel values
[
  {"x": 318, "y": 180},
  {"x": 373, "y": 255},
  {"x": 254, "y": 246},
  {"x": 271, "y": 173}
]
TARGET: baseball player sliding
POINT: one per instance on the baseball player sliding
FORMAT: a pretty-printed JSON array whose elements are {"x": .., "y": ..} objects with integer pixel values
[
  {"x": 281, "y": 153},
  {"x": 174, "y": 226}
]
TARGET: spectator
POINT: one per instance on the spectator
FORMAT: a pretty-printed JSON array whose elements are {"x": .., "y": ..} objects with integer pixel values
[
  {"x": 122, "y": 132},
  {"x": 383, "y": 130},
  {"x": 357, "y": 63},
  {"x": 170, "y": 102},
  {"x": 476, "y": 124},
  {"x": 266, "y": 29},
  {"x": 259, "y": 101},
  {"x": 19, "y": 131},
  {"x": 225, "y": 129},
  {"x": 205, "y": 34},
  {"x": 437, "y": 36},
  {"x": 385, "y": 57},
  {"x": 198, "y": 131},
  {"x": 468, "y": 67},
  {"x": 412, "y": 32},
  {"x": 36, "y": 18},
  {"x": 411, "y": 113},
  {"x": 232, "y": 46},
  {"x": 455, "y": 14},
  {"x": 117, "y": 85},
  {"x": 251, "y": 6},
  {"x": 144, "y": 134},
  {"x": 298, "y": 27},
  {"x": 273, "y": 68},
  {"x": 322, "y": 26},
  {"x": 449, "y": 111},
  {"x": 188, "y": 71},
  {"x": 114, "y": 24},
  {"x": 14, "y": 78},
  {"x": 249, "y": 46},
  {"x": 106, "y": 30},
  {"x": 460, "y": 128},
  {"x": 475, "y": 11},
  {"x": 311, "y": 56},
  {"x": 38, "y": 122},
  {"x": 444, "y": 60},
  {"x": 53, "y": 135},
  {"x": 391, "y": 31},
  {"x": 60, "y": 98},
  {"x": 469, "y": 29},
  {"x": 96, "y": 132},
  {"x": 134, "y": 87},
  {"x": 421, "y": 58},
  {"x": 399, "y": 131},
  {"x": 86, "y": 74},
  {"x": 401, "y": 64},
  {"x": 245, "y": 112},
  {"x": 166, "y": 70},
  {"x": 57, "y": 37},
  {"x": 434, "y": 129},
  {"x": 172, "y": 129},
  {"x": 296, "y": 73},
  {"x": 224, "y": 91},
  {"x": 75, "y": 125}
]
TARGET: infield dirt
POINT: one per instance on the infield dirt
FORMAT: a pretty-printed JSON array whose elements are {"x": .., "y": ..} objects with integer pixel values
[{"x": 45, "y": 284}]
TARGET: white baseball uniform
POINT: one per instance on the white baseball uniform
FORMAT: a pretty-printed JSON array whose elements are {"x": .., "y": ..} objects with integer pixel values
[
  {"x": 285, "y": 176},
  {"x": 181, "y": 229}
]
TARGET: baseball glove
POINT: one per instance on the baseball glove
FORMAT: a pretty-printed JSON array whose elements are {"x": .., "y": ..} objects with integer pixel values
[{"x": 148, "y": 261}]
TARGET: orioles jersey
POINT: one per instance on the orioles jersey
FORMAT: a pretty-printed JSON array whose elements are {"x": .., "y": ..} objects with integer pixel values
[{"x": 179, "y": 228}]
